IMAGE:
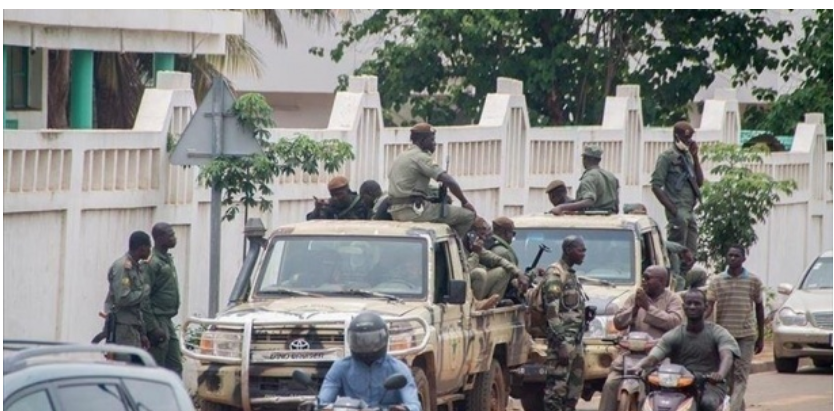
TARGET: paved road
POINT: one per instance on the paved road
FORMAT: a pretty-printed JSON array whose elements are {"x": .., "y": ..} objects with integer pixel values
[{"x": 810, "y": 389}]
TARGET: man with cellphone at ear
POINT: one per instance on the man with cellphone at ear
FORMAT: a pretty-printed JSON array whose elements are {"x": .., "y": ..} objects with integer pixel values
[{"x": 676, "y": 182}]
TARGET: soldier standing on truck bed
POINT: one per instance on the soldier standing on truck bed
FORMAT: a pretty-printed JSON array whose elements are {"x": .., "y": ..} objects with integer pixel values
[
  {"x": 408, "y": 186},
  {"x": 163, "y": 301},
  {"x": 562, "y": 299},
  {"x": 599, "y": 190},
  {"x": 343, "y": 203},
  {"x": 676, "y": 182},
  {"x": 128, "y": 293}
]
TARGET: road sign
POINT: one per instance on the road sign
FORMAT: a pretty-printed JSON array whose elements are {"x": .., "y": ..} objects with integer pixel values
[{"x": 201, "y": 141}]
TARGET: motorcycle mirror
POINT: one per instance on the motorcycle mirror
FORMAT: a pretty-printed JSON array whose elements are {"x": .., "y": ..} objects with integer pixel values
[
  {"x": 302, "y": 377},
  {"x": 395, "y": 382}
]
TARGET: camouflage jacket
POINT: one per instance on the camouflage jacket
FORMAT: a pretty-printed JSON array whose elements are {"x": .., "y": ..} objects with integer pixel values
[
  {"x": 128, "y": 293},
  {"x": 564, "y": 302}
]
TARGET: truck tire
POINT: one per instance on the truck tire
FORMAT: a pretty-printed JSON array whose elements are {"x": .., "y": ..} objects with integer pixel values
[
  {"x": 423, "y": 387},
  {"x": 532, "y": 397},
  {"x": 213, "y": 406},
  {"x": 490, "y": 390}
]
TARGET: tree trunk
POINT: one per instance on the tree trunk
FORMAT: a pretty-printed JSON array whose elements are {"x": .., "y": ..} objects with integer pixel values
[{"x": 58, "y": 89}]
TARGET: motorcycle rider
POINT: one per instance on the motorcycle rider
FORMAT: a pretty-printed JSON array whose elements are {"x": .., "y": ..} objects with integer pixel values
[
  {"x": 652, "y": 309},
  {"x": 704, "y": 348},
  {"x": 362, "y": 374}
]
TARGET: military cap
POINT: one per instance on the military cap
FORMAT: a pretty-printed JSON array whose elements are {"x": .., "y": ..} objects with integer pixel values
[
  {"x": 554, "y": 185},
  {"x": 683, "y": 128},
  {"x": 592, "y": 151},
  {"x": 423, "y": 128},
  {"x": 503, "y": 222},
  {"x": 337, "y": 182}
]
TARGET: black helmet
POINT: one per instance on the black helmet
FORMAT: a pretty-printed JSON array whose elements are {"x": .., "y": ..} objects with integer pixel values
[{"x": 368, "y": 337}]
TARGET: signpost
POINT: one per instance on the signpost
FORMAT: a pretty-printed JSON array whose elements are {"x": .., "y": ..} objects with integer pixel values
[{"x": 213, "y": 132}]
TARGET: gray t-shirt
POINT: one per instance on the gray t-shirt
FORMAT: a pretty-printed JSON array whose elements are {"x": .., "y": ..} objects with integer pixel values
[{"x": 698, "y": 352}]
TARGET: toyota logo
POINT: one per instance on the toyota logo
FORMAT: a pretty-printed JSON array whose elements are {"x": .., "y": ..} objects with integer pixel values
[{"x": 299, "y": 344}]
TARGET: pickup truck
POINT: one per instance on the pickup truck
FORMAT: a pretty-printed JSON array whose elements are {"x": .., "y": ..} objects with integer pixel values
[
  {"x": 619, "y": 248},
  {"x": 290, "y": 308}
]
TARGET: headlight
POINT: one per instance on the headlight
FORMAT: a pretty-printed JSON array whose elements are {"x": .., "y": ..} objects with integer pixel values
[
  {"x": 672, "y": 380},
  {"x": 404, "y": 335},
  {"x": 221, "y": 343},
  {"x": 787, "y": 316},
  {"x": 601, "y": 327}
]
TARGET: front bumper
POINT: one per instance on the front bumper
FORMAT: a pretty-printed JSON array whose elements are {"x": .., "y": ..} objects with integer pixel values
[
  {"x": 798, "y": 342},
  {"x": 267, "y": 385},
  {"x": 598, "y": 359}
]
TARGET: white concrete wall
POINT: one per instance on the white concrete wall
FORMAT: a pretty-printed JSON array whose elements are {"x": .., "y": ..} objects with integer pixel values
[{"x": 71, "y": 198}]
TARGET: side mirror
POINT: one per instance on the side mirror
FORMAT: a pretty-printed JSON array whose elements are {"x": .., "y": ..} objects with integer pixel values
[
  {"x": 457, "y": 292},
  {"x": 302, "y": 378},
  {"x": 395, "y": 382},
  {"x": 784, "y": 288}
]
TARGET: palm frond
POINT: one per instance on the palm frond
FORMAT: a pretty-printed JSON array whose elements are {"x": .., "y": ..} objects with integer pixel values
[
  {"x": 322, "y": 19},
  {"x": 240, "y": 58},
  {"x": 271, "y": 21}
]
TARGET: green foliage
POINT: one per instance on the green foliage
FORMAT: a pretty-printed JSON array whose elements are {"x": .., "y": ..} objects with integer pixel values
[
  {"x": 810, "y": 58},
  {"x": 246, "y": 180},
  {"x": 569, "y": 60},
  {"x": 733, "y": 205}
]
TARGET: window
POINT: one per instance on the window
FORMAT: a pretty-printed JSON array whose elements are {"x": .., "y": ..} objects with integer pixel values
[
  {"x": 819, "y": 276},
  {"x": 149, "y": 395},
  {"x": 36, "y": 401},
  {"x": 441, "y": 272},
  {"x": 91, "y": 397},
  {"x": 17, "y": 96}
]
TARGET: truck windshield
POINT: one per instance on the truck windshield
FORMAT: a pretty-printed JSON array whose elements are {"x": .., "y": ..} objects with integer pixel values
[
  {"x": 304, "y": 265},
  {"x": 609, "y": 256}
]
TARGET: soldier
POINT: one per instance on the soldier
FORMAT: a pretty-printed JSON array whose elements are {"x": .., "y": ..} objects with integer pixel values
[
  {"x": 164, "y": 300},
  {"x": 489, "y": 273},
  {"x": 128, "y": 292},
  {"x": 409, "y": 186},
  {"x": 599, "y": 190},
  {"x": 557, "y": 192},
  {"x": 369, "y": 194},
  {"x": 564, "y": 304},
  {"x": 676, "y": 182},
  {"x": 343, "y": 204}
]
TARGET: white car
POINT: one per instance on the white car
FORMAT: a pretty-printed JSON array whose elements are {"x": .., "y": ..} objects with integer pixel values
[{"x": 803, "y": 325}]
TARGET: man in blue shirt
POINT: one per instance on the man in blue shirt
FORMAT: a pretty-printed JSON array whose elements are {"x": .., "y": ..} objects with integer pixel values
[{"x": 362, "y": 374}]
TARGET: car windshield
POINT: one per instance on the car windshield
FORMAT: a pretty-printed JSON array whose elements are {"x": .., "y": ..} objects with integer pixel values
[
  {"x": 609, "y": 255},
  {"x": 819, "y": 277},
  {"x": 350, "y": 265}
]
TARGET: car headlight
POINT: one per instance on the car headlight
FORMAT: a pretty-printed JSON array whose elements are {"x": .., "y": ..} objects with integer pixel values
[
  {"x": 788, "y": 316},
  {"x": 602, "y": 326},
  {"x": 221, "y": 343}
]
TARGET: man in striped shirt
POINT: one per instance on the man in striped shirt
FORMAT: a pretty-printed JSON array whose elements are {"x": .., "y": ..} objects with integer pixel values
[{"x": 732, "y": 295}]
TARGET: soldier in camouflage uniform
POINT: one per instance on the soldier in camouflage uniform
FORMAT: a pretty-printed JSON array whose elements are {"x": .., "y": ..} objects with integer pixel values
[
  {"x": 408, "y": 186},
  {"x": 343, "y": 204},
  {"x": 557, "y": 193},
  {"x": 676, "y": 182},
  {"x": 599, "y": 190},
  {"x": 164, "y": 300},
  {"x": 564, "y": 304},
  {"x": 128, "y": 292}
]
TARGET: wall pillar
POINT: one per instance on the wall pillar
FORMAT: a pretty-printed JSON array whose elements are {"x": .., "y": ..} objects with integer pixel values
[
  {"x": 81, "y": 89},
  {"x": 162, "y": 62}
]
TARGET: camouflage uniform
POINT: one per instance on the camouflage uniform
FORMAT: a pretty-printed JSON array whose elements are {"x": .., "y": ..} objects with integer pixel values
[
  {"x": 163, "y": 304},
  {"x": 598, "y": 185},
  {"x": 408, "y": 187},
  {"x": 490, "y": 274},
  {"x": 353, "y": 210},
  {"x": 564, "y": 302},
  {"x": 674, "y": 174},
  {"x": 126, "y": 298}
]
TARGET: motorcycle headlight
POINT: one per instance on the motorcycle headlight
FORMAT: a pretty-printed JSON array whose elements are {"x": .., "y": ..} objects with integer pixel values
[
  {"x": 602, "y": 326},
  {"x": 672, "y": 380},
  {"x": 788, "y": 316},
  {"x": 221, "y": 343}
]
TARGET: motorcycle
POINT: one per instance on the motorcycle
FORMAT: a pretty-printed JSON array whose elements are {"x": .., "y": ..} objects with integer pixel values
[
  {"x": 394, "y": 382},
  {"x": 632, "y": 390},
  {"x": 674, "y": 388}
]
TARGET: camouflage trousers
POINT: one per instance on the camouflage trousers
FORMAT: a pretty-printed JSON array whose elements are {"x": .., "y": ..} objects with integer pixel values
[
  {"x": 486, "y": 283},
  {"x": 459, "y": 218},
  {"x": 565, "y": 376},
  {"x": 682, "y": 228}
]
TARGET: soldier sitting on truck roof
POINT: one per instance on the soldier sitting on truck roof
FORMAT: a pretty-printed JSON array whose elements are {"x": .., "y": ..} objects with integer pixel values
[
  {"x": 343, "y": 203},
  {"x": 490, "y": 274},
  {"x": 599, "y": 190}
]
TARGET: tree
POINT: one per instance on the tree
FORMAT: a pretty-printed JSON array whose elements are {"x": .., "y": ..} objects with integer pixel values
[
  {"x": 569, "y": 60},
  {"x": 733, "y": 205},
  {"x": 810, "y": 58},
  {"x": 120, "y": 79},
  {"x": 246, "y": 180}
]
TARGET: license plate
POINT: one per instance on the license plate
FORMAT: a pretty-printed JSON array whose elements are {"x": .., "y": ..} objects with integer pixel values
[{"x": 294, "y": 356}]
